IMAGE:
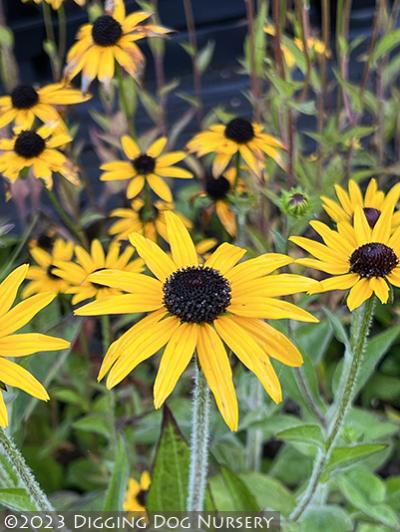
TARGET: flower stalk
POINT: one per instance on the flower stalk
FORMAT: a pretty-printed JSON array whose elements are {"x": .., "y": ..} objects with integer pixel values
[
  {"x": 361, "y": 321},
  {"x": 24, "y": 474},
  {"x": 199, "y": 448}
]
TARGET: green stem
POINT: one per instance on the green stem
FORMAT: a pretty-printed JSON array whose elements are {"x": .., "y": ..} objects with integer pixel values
[
  {"x": 124, "y": 102},
  {"x": 105, "y": 329},
  {"x": 24, "y": 474},
  {"x": 48, "y": 24},
  {"x": 62, "y": 34},
  {"x": 6, "y": 270},
  {"x": 361, "y": 322},
  {"x": 66, "y": 218},
  {"x": 199, "y": 444}
]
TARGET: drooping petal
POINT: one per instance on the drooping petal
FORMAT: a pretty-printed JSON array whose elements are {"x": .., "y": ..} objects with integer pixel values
[
  {"x": 15, "y": 375},
  {"x": 182, "y": 247},
  {"x": 9, "y": 287},
  {"x": 360, "y": 292},
  {"x": 22, "y": 313},
  {"x": 156, "y": 260}
]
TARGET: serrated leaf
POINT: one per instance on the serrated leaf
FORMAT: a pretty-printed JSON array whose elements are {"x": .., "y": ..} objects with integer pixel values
[{"x": 115, "y": 495}]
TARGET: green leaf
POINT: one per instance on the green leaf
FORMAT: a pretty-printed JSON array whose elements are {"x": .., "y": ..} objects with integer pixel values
[
  {"x": 269, "y": 493},
  {"x": 339, "y": 330},
  {"x": 96, "y": 423},
  {"x": 326, "y": 518},
  {"x": 366, "y": 492},
  {"x": 342, "y": 456},
  {"x": 114, "y": 498},
  {"x": 16, "y": 499},
  {"x": 230, "y": 493},
  {"x": 386, "y": 44},
  {"x": 169, "y": 486},
  {"x": 307, "y": 433},
  {"x": 204, "y": 56}
]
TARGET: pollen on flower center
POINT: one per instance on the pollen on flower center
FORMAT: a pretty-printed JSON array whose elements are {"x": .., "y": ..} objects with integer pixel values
[
  {"x": 197, "y": 294},
  {"x": 373, "y": 260},
  {"x": 217, "y": 188},
  {"x": 29, "y": 144},
  {"x": 240, "y": 130},
  {"x": 144, "y": 164},
  {"x": 106, "y": 31},
  {"x": 24, "y": 97}
]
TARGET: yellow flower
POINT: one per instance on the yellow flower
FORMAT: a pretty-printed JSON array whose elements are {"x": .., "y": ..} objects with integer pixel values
[
  {"x": 356, "y": 257},
  {"x": 238, "y": 136},
  {"x": 314, "y": 45},
  {"x": 42, "y": 277},
  {"x": 136, "y": 495},
  {"x": 76, "y": 273},
  {"x": 39, "y": 151},
  {"x": 19, "y": 345},
  {"x": 55, "y": 4},
  {"x": 25, "y": 103},
  {"x": 201, "y": 306},
  {"x": 217, "y": 190},
  {"x": 289, "y": 58},
  {"x": 149, "y": 222},
  {"x": 373, "y": 203},
  {"x": 146, "y": 168},
  {"x": 110, "y": 38}
]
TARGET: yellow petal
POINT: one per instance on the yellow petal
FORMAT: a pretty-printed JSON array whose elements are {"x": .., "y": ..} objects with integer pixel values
[
  {"x": 250, "y": 354},
  {"x": 130, "y": 147},
  {"x": 358, "y": 294},
  {"x": 182, "y": 247},
  {"x": 380, "y": 287},
  {"x": 26, "y": 344},
  {"x": 15, "y": 375},
  {"x": 160, "y": 187},
  {"x": 121, "y": 304},
  {"x": 22, "y": 313},
  {"x": 361, "y": 227},
  {"x": 269, "y": 308},
  {"x": 128, "y": 282},
  {"x": 214, "y": 363},
  {"x": 9, "y": 287},
  {"x": 338, "y": 282},
  {"x": 174, "y": 361},
  {"x": 3, "y": 412},
  {"x": 258, "y": 267},
  {"x": 157, "y": 147},
  {"x": 156, "y": 260},
  {"x": 225, "y": 257}
]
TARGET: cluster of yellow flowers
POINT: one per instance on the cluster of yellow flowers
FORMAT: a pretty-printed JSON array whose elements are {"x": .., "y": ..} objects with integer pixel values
[{"x": 193, "y": 304}]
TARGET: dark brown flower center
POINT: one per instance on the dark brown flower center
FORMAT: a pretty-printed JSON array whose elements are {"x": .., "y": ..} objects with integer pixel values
[
  {"x": 29, "y": 144},
  {"x": 106, "y": 31},
  {"x": 144, "y": 164},
  {"x": 240, "y": 130},
  {"x": 24, "y": 97},
  {"x": 197, "y": 294},
  {"x": 141, "y": 497},
  {"x": 373, "y": 260},
  {"x": 217, "y": 188}
]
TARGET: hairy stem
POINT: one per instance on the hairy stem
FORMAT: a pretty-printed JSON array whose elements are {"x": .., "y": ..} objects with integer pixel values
[
  {"x": 199, "y": 444},
  {"x": 360, "y": 329}
]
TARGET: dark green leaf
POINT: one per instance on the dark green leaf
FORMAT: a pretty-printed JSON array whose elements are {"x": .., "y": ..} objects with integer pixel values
[{"x": 114, "y": 498}]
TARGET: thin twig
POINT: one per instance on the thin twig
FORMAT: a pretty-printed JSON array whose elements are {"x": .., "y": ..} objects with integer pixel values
[{"x": 191, "y": 27}]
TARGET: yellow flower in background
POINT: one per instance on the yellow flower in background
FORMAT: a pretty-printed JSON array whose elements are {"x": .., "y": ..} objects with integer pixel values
[
  {"x": 217, "y": 190},
  {"x": 373, "y": 202},
  {"x": 146, "y": 168},
  {"x": 136, "y": 494},
  {"x": 55, "y": 4},
  {"x": 356, "y": 257},
  {"x": 25, "y": 103},
  {"x": 196, "y": 306},
  {"x": 76, "y": 272},
  {"x": 238, "y": 136},
  {"x": 39, "y": 151},
  {"x": 111, "y": 38},
  {"x": 19, "y": 345},
  {"x": 42, "y": 276},
  {"x": 148, "y": 221}
]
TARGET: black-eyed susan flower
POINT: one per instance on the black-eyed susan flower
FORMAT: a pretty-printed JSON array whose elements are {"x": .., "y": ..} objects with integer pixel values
[
  {"x": 147, "y": 220},
  {"x": 38, "y": 150},
  {"x": 55, "y": 4},
  {"x": 47, "y": 252},
  {"x": 136, "y": 494},
  {"x": 18, "y": 345},
  {"x": 201, "y": 306},
  {"x": 76, "y": 272},
  {"x": 237, "y": 136},
  {"x": 111, "y": 38},
  {"x": 358, "y": 257},
  {"x": 372, "y": 202},
  {"x": 25, "y": 103},
  {"x": 148, "y": 167}
]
